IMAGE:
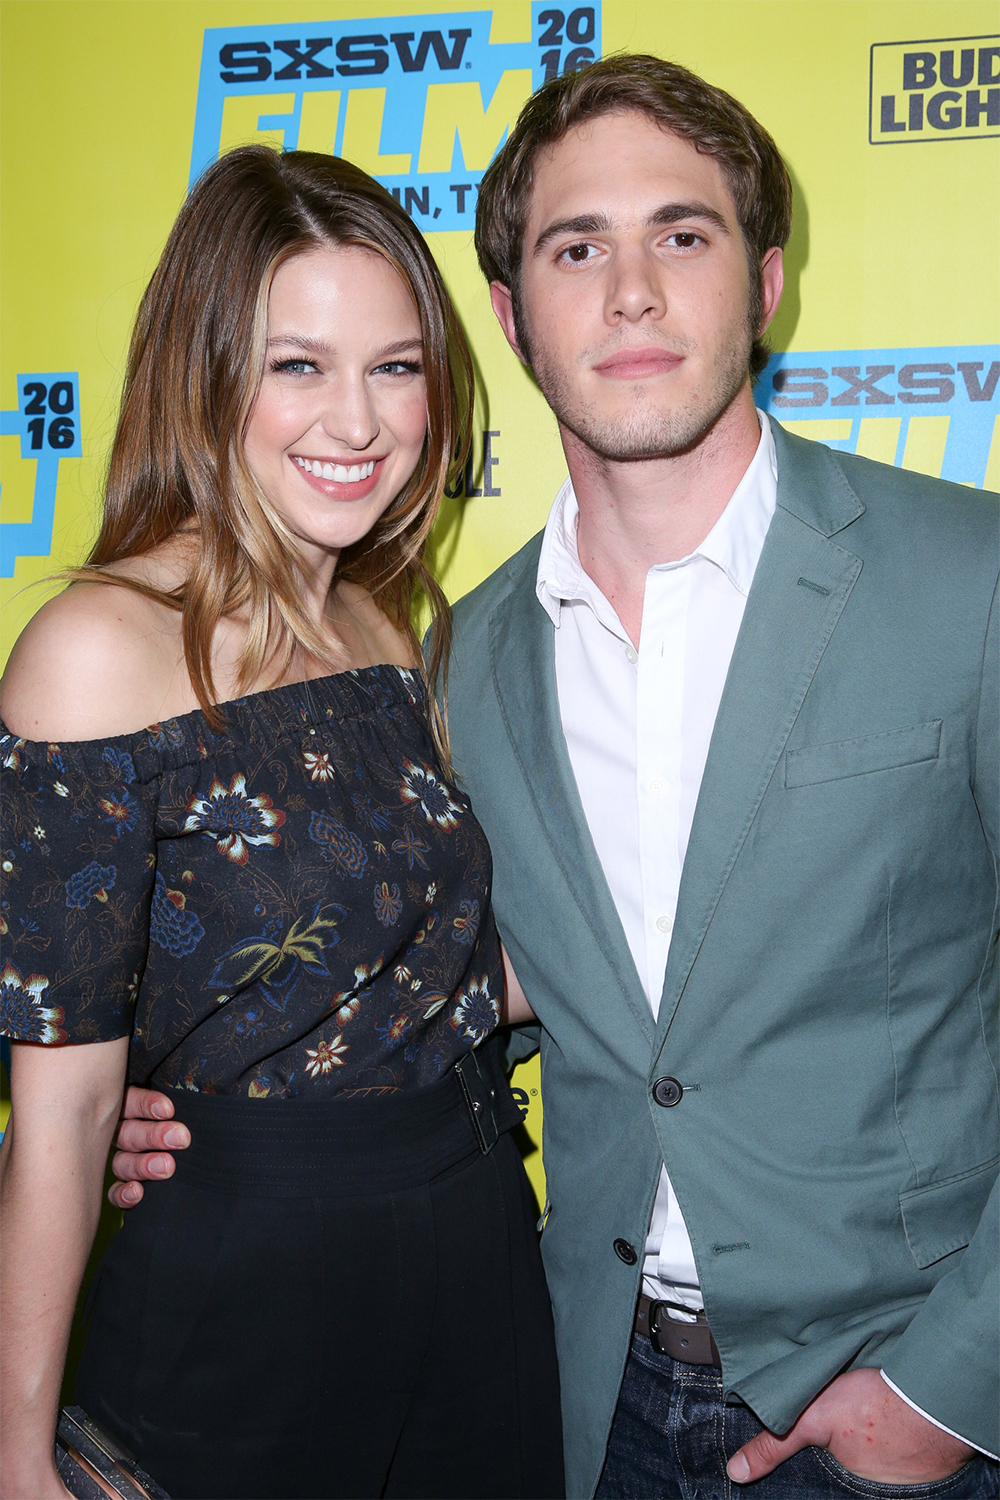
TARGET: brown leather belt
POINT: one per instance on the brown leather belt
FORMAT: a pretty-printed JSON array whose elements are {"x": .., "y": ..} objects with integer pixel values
[{"x": 691, "y": 1342}]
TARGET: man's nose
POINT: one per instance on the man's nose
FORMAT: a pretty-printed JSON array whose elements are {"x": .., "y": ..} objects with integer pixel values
[{"x": 635, "y": 287}]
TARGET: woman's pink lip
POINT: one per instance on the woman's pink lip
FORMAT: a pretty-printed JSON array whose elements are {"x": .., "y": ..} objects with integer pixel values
[
  {"x": 629, "y": 363},
  {"x": 334, "y": 491}
]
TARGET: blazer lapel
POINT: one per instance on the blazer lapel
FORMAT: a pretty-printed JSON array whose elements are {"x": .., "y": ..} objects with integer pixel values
[
  {"x": 800, "y": 588},
  {"x": 523, "y": 667}
]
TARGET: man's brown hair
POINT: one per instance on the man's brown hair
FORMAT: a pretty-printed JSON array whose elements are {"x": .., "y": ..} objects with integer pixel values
[{"x": 678, "y": 100}]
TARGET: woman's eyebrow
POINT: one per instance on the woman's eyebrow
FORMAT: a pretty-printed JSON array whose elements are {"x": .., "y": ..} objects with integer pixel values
[
  {"x": 300, "y": 341},
  {"x": 319, "y": 346}
]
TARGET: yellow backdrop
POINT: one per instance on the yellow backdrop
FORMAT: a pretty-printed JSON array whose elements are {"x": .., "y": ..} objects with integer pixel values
[{"x": 888, "y": 112}]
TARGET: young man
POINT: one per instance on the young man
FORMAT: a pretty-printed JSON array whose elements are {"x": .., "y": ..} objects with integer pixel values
[{"x": 731, "y": 725}]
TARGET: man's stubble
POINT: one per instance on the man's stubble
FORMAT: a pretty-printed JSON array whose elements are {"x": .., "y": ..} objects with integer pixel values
[{"x": 648, "y": 431}]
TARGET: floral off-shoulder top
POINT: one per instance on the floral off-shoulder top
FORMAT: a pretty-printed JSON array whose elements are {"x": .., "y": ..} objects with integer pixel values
[{"x": 296, "y": 905}]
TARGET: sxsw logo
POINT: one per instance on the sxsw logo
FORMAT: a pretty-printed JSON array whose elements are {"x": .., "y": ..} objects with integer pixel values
[
  {"x": 421, "y": 102},
  {"x": 933, "y": 410},
  {"x": 942, "y": 90}
]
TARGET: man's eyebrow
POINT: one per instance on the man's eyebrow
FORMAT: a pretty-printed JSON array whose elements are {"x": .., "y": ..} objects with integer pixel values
[
  {"x": 667, "y": 213},
  {"x": 581, "y": 224},
  {"x": 674, "y": 213}
]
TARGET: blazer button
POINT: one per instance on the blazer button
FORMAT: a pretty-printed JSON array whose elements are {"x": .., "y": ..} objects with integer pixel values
[
  {"x": 625, "y": 1252},
  {"x": 667, "y": 1091}
]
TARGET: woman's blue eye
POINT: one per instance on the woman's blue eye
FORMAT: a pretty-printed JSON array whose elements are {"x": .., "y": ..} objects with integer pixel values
[
  {"x": 400, "y": 367},
  {"x": 292, "y": 367}
]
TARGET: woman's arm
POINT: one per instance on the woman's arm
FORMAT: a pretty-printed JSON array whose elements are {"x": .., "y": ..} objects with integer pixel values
[
  {"x": 64, "y": 1106},
  {"x": 515, "y": 1006}
]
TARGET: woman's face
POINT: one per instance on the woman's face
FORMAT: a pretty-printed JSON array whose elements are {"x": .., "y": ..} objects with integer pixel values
[{"x": 339, "y": 420}]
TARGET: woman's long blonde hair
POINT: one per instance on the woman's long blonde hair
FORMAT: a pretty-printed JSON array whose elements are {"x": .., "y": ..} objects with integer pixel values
[{"x": 194, "y": 369}]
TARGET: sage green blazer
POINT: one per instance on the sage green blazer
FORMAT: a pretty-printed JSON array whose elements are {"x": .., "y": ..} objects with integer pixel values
[{"x": 829, "y": 1004}]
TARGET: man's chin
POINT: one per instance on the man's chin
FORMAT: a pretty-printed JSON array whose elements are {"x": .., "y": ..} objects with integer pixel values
[{"x": 628, "y": 441}]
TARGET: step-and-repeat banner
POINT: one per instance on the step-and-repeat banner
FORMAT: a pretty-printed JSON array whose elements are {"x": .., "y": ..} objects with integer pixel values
[{"x": 888, "y": 112}]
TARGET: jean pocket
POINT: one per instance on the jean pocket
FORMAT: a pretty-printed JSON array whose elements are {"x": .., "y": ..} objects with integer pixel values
[{"x": 970, "y": 1482}]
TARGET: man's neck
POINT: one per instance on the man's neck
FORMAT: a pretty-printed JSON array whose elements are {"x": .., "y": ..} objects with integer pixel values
[{"x": 636, "y": 514}]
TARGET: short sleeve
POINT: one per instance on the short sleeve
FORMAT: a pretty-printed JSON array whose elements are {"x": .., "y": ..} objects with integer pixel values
[{"x": 78, "y": 859}]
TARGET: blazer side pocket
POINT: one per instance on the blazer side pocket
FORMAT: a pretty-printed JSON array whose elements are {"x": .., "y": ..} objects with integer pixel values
[
  {"x": 873, "y": 752},
  {"x": 943, "y": 1216}
]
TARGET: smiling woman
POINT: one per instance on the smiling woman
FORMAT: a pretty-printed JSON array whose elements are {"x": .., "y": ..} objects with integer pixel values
[
  {"x": 340, "y": 417},
  {"x": 256, "y": 889}
]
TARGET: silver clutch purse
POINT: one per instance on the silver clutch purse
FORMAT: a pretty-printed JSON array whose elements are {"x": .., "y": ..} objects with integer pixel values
[{"x": 93, "y": 1466}]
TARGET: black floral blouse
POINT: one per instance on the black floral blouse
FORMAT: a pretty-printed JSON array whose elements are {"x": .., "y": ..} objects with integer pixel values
[{"x": 297, "y": 905}]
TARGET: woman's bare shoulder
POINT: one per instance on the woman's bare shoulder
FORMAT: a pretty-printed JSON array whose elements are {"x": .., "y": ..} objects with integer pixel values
[{"x": 94, "y": 662}]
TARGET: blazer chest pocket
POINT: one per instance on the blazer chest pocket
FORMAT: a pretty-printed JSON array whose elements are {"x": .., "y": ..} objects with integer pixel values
[
  {"x": 873, "y": 752},
  {"x": 944, "y": 1216}
]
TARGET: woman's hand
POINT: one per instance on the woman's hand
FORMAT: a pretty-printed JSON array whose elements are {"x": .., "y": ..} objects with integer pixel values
[
  {"x": 515, "y": 1005},
  {"x": 64, "y": 1105},
  {"x": 144, "y": 1149}
]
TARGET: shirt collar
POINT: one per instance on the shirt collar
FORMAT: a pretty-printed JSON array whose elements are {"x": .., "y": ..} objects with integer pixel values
[{"x": 734, "y": 543}]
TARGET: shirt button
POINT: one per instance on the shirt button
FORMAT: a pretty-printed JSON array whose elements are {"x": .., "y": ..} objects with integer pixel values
[
  {"x": 657, "y": 786},
  {"x": 631, "y": 655},
  {"x": 625, "y": 1252},
  {"x": 664, "y": 924}
]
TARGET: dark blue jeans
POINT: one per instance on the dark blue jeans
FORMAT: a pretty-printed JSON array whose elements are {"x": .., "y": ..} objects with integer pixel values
[{"x": 672, "y": 1437}]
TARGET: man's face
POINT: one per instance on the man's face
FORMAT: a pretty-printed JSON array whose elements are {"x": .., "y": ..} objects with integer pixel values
[{"x": 635, "y": 289}]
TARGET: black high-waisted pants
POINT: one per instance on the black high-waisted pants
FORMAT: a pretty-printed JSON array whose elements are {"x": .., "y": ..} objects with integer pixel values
[{"x": 342, "y": 1298}]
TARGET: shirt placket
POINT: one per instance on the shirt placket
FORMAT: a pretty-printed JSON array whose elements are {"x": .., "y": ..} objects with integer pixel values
[{"x": 659, "y": 700}]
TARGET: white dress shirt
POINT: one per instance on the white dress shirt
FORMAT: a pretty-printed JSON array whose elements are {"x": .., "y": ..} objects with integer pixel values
[{"x": 638, "y": 726}]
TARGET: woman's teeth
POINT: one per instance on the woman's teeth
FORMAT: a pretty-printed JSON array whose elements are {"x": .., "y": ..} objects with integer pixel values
[{"x": 339, "y": 473}]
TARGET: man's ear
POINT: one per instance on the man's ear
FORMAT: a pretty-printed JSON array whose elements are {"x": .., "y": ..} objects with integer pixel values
[
  {"x": 772, "y": 282},
  {"x": 503, "y": 306}
]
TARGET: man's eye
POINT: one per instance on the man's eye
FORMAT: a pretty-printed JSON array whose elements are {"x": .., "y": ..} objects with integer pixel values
[
  {"x": 577, "y": 252},
  {"x": 684, "y": 239}
]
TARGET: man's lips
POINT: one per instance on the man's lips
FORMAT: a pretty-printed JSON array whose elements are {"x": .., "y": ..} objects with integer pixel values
[{"x": 633, "y": 364}]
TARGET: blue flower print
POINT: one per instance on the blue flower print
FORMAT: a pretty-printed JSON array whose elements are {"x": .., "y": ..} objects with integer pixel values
[
  {"x": 121, "y": 763},
  {"x": 93, "y": 880},
  {"x": 171, "y": 925},
  {"x": 388, "y": 903},
  {"x": 477, "y": 1013},
  {"x": 121, "y": 813},
  {"x": 413, "y": 848},
  {"x": 23, "y": 1016},
  {"x": 233, "y": 819},
  {"x": 367, "y": 813},
  {"x": 421, "y": 786},
  {"x": 393, "y": 1030},
  {"x": 338, "y": 845},
  {"x": 167, "y": 733},
  {"x": 465, "y": 926}
]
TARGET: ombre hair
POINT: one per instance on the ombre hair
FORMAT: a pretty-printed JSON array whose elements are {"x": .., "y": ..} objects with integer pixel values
[{"x": 194, "y": 370}]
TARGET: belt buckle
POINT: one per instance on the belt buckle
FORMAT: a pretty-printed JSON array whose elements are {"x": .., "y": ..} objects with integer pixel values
[
  {"x": 654, "y": 1333},
  {"x": 479, "y": 1101}
]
